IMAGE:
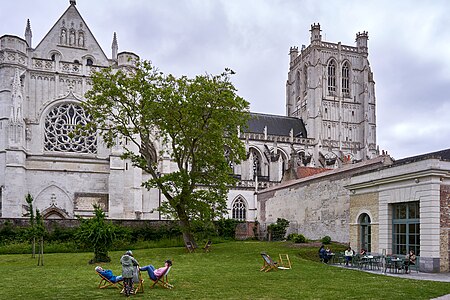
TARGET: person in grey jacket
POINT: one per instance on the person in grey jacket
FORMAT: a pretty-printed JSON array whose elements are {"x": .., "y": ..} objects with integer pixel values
[{"x": 128, "y": 268}]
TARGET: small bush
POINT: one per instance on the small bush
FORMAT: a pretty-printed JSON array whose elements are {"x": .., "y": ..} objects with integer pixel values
[
  {"x": 299, "y": 238},
  {"x": 291, "y": 236},
  {"x": 278, "y": 229},
  {"x": 326, "y": 240}
]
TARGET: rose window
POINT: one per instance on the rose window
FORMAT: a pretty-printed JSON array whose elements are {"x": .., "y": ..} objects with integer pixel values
[{"x": 60, "y": 125}]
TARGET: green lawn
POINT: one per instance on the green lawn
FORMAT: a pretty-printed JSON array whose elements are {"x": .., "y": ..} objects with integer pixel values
[{"x": 229, "y": 271}]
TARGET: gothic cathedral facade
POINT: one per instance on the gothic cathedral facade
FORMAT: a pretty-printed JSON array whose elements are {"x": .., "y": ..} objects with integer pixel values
[{"x": 330, "y": 122}]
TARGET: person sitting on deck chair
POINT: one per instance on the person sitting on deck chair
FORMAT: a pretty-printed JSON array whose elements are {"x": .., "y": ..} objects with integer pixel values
[
  {"x": 153, "y": 273},
  {"x": 108, "y": 274}
]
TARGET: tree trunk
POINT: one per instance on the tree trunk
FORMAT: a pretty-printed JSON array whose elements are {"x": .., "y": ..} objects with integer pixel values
[
  {"x": 185, "y": 225},
  {"x": 33, "y": 246},
  {"x": 41, "y": 252}
]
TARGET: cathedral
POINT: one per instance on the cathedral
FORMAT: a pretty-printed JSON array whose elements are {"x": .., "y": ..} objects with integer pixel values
[{"x": 330, "y": 122}]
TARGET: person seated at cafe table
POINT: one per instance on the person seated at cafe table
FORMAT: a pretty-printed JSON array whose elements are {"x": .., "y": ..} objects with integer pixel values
[
  {"x": 363, "y": 252},
  {"x": 348, "y": 255},
  {"x": 410, "y": 259},
  {"x": 322, "y": 254},
  {"x": 328, "y": 255}
]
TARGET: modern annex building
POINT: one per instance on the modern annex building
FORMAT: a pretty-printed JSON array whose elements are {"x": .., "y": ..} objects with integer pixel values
[{"x": 330, "y": 122}]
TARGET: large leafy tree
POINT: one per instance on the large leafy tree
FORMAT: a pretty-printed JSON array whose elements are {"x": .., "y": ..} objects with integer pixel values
[{"x": 191, "y": 119}]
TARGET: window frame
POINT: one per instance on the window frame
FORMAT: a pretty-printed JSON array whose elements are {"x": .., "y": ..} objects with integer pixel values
[
  {"x": 331, "y": 78},
  {"x": 406, "y": 227}
]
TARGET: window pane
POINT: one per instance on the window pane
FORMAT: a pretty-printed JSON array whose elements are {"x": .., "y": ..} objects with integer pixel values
[{"x": 406, "y": 227}]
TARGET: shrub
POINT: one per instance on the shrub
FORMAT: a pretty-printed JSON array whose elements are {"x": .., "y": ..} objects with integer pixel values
[
  {"x": 326, "y": 240},
  {"x": 291, "y": 236},
  {"x": 226, "y": 228},
  {"x": 97, "y": 234},
  {"x": 278, "y": 229},
  {"x": 299, "y": 238}
]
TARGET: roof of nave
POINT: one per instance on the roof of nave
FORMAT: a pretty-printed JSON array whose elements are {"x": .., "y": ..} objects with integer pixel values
[{"x": 276, "y": 125}]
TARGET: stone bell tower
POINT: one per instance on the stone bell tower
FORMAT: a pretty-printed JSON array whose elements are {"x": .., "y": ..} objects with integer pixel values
[{"x": 330, "y": 87}]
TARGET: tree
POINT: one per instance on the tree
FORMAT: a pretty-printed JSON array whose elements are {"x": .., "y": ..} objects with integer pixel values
[
  {"x": 196, "y": 119},
  {"x": 32, "y": 229},
  {"x": 97, "y": 234},
  {"x": 39, "y": 234}
]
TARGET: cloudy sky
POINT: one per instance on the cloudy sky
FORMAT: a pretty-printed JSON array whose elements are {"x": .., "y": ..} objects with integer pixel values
[{"x": 409, "y": 49}]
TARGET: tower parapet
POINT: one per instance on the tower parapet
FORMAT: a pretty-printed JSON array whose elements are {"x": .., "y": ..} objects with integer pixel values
[
  {"x": 361, "y": 41},
  {"x": 127, "y": 59},
  {"x": 11, "y": 42},
  {"x": 293, "y": 53},
  {"x": 315, "y": 33}
]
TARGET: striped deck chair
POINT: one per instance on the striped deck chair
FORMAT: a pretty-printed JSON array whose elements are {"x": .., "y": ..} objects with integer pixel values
[{"x": 162, "y": 280}]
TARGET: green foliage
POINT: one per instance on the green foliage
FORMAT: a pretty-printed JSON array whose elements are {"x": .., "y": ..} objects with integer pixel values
[
  {"x": 226, "y": 228},
  {"x": 297, "y": 238},
  {"x": 278, "y": 229},
  {"x": 326, "y": 240},
  {"x": 97, "y": 234},
  {"x": 61, "y": 234},
  {"x": 8, "y": 232},
  {"x": 197, "y": 118}
]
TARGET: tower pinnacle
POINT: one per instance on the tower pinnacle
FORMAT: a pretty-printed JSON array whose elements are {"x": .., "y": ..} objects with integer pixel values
[
  {"x": 114, "y": 47},
  {"x": 73, "y": 2},
  {"x": 28, "y": 33}
]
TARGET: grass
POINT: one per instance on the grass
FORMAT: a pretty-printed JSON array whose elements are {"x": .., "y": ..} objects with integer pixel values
[{"x": 229, "y": 271}]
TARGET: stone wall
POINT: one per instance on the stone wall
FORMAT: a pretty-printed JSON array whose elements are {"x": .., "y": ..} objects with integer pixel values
[
  {"x": 359, "y": 204},
  {"x": 445, "y": 229},
  {"x": 315, "y": 206}
]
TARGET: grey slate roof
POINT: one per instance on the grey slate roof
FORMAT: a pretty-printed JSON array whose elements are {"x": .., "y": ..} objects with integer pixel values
[
  {"x": 441, "y": 155},
  {"x": 276, "y": 125}
]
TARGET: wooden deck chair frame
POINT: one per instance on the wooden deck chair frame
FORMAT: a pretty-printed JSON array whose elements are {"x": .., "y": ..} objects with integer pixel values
[
  {"x": 163, "y": 280},
  {"x": 285, "y": 262},
  {"x": 190, "y": 247},
  {"x": 140, "y": 284},
  {"x": 269, "y": 263},
  {"x": 105, "y": 283},
  {"x": 207, "y": 247}
]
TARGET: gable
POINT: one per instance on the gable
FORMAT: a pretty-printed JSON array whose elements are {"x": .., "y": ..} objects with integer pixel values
[{"x": 71, "y": 37}]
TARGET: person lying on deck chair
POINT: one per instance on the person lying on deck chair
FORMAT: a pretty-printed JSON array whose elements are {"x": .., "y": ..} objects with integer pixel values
[
  {"x": 108, "y": 274},
  {"x": 155, "y": 274}
]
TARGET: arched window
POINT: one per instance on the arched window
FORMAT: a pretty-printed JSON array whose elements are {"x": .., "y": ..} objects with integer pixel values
[
  {"x": 297, "y": 84},
  {"x": 59, "y": 125},
  {"x": 256, "y": 163},
  {"x": 239, "y": 211},
  {"x": 305, "y": 78},
  {"x": 346, "y": 80},
  {"x": 365, "y": 233},
  {"x": 89, "y": 62},
  {"x": 332, "y": 77}
]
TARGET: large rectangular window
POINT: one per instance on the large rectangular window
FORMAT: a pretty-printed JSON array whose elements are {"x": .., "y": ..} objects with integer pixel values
[{"x": 406, "y": 228}]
